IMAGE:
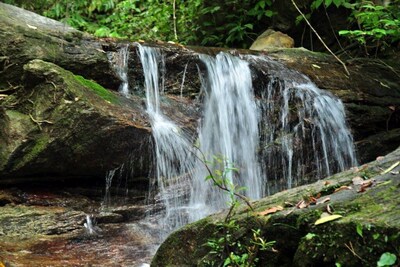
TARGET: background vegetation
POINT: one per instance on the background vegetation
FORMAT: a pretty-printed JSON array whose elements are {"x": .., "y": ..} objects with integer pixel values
[{"x": 371, "y": 26}]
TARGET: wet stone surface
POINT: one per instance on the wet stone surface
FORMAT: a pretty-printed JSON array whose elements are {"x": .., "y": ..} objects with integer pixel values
[{"x": 47, "y": 228}]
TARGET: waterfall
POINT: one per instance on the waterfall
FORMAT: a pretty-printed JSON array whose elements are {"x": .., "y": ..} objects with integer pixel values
[
  {"x": 278, "y": 133},
  {"x": 303, "y": 131},
  {"x": 119, "y": 62},
  {"x": 174, "y": 159},
  {"x": 229, "y": 130}
]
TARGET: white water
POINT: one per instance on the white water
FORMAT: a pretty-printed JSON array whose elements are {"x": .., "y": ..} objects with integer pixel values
[
  {"x": 290, "y": 131},
  {"x": 303, "y": 129},
  {"x": 120, "y": 64},
  {"x": 229, "y": 130},
  {"x": 174, "y": 160}
]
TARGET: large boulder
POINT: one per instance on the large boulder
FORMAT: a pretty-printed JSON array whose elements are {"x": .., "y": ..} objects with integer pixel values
[
  {"x": 271, "y": 38},
  {"x": 25, "y": 35},
  {"x": 61, "y": 124},
  {"x": 366, "y": 199}
]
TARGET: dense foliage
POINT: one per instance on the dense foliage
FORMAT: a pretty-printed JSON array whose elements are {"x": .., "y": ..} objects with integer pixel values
[
  {"x": 373, "y": 24},
  {"x": 233, "y": 23}
]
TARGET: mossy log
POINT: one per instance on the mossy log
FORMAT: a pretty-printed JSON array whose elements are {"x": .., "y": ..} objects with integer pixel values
[{"x": 370, "y": 225}]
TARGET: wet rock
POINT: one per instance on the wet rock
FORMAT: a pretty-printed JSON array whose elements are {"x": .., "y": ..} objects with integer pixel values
[
  {"x": 7, "y": 197},
  {"x": 65, "y": 120},
  {"x": 299, "y": 241},
  {"x": 27, "y": 222},
  {"x": 109, "y": 217},
  {"x": 50, "y": 234},
  {"x": 131, "y": 212}
]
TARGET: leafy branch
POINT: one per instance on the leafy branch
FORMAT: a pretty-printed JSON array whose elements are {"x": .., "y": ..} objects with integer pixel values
[{"x": 221, "y": 183}]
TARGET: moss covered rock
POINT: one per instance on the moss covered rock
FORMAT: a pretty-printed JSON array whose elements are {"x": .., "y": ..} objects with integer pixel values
[
  {"x": 25, "y": 35},
  {"x": 61, "y": 120},
  {"x": 370, "y": 225}
]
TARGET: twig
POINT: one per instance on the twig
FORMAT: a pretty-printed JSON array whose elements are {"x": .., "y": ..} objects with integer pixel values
[
  {"x": 183, "y": 78},
  {"x": 389, "y": 67},
  {"x": 10, "y": 88},
  {"x": 174, "y": 18},
  {"x": 5, "y": 67},
  {"x": 350, "y": 247},
  {"x": 333, "y": 31},
  {"x": 55, "y": 87},
  {"x": 38, "y": 122},
  {"x": 319, "y": 37}
]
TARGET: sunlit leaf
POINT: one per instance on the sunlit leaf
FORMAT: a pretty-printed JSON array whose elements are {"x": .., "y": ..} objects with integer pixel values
[
  {"x": 316, "y": 4},
  {"x": 310, "y": 236},
  {"x": 387, "y": 259},
  {"x": 328, "y": 219},
  {"x": 376, "y": 236}
]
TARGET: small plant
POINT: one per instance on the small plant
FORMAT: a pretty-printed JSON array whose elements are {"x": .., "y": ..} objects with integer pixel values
[
  {"x": 377, "y": 24},
  {"x": 226, "y": 248}
]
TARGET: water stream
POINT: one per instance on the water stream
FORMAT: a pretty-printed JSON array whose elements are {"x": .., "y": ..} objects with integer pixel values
[
  {"x": 277, "y": 134},
  {"x": 173, "y": 150},
  {"x": 228, "y": 131},
  {"x": 119, "y": 62}
]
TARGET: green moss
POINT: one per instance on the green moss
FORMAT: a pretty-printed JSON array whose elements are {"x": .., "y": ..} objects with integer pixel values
[
  {"x": 308, "y": 218},
  {"x": 97, "y": 88},
  {"x": 39, "y": 145}
]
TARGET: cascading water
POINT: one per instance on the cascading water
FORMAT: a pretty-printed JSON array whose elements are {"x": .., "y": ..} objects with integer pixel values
[
  {"x": 303, "y": 130},
  {"x": 275, "y": 134},
  {"x": 174, "y": 160},
  {"x": 322, "y": 118},
  {"x": 229, "y": 129},
  {"x": 120, "y": 64}
]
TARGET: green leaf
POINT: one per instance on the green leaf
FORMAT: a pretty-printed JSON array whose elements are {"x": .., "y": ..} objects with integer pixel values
[
  {"x": 387, "y": 259},
  {"x": 269, "y": 13},
  {"x": 310, "y": 236},
  {"x": 328, "y": 3},
  {"x": 299, "y": 19},
  {"x": 359, "y": 229},
  {"x": 249, "y": 25},
  {"x": 316, "y": 4},
  {"x": 338, "y": 3}
]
